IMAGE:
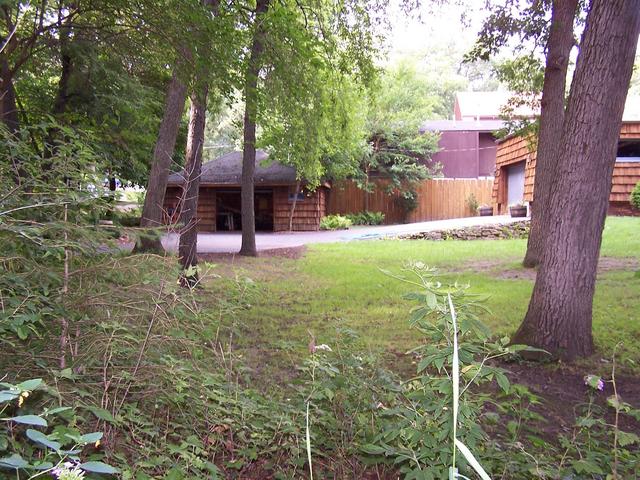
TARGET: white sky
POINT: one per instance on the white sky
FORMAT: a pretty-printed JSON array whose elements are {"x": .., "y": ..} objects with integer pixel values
[{"x": 436, "y": 25}]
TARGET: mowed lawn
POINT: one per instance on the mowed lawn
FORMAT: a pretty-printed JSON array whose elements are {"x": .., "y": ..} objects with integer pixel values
[{"x": 343, "y": 285}]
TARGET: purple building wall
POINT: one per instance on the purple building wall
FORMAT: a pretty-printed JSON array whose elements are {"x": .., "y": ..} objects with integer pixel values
[
  {"x": 459, "y": 154},
  {"x": 488, "y": 149},
  {"x": 467, "y": 148}
]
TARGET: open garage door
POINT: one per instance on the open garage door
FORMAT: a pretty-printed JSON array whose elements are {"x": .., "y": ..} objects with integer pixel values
[
  {"x": 515, "y": 183},
  {"x": 228, "y": 206}
]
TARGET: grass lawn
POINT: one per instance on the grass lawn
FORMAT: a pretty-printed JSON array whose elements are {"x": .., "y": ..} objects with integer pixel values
[{"x": 342, "y": 285}]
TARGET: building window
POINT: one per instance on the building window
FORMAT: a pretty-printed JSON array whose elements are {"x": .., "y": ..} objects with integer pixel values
[
  {"x": 300, "y": 197},
  {"x": 628, "y": 150}
]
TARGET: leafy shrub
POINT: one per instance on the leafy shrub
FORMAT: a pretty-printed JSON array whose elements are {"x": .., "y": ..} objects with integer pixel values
[
  {"x": 634, "y": 198},
  {"x": 334, "y": 222},
  {"x": 25, "y": 445},
  {"x": 418, "y": 434},
  {"x": 366, "y": 218},
  {"x": 407, "y": 200},
  {"x": 472, "y": 203},
  {"x": 128, "y": 218},
  {"x": 48, "y": 216}
]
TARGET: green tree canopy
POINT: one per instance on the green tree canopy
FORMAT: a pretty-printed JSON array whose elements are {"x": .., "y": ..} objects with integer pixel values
[{"x": 398, "y": 148}]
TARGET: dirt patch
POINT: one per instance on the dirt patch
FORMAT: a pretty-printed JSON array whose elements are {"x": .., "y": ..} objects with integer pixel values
[
  {"x": 606, "y": 264},
  {"x": 513, "y": 274},
  {"x": 480, "y": 266},
  {"x": 563, "y": 390},
  {"x": 291, "y": 252},
  {"x": 270, "y": 265},
  {"x": 614, "y": 263}
]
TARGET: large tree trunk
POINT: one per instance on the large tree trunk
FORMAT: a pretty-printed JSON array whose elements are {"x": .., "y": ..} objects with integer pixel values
[
  {"x": 559, "y": 47},
  {"x": 152, "y": 211},
  {"x": 63, "y": 94},
  {"x": 66, "y": 69},
  {"x": 187, "y": 249},
  {"x": 248, "y": 247},
  {"x": 8, "y": 107},
  {"x": 560, "y": 311}
]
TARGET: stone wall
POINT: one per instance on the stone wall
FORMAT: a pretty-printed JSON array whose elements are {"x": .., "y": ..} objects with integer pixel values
[{"x": 484, "y": 232}]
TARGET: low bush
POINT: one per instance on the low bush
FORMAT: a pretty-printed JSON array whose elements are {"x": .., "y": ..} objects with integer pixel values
[
  {"x": 366, "y": 218},
  {"x": 38, "y": 436},
  {"x": 335, "y": 222},
  {"x": 128, "y": 218},
  {"x": 634, "y": 198}
]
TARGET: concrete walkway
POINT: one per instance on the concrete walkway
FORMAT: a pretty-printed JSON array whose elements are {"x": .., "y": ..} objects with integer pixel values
[{"x": 229, "y": 242}]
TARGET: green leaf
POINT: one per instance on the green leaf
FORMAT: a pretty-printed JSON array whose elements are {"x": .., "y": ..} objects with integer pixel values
[
  {"x": 66, "y": 373},
  {"x": 615, "y": 402},
  {"x": 503, "y": 381},
  {"x": 7, "y": 396},
  {"x": 42, "y": 439},
  {"x": 585, "y": 466},
  {"x": 13, "y": 461},
  {"x": 372, "y": 449},
  {"x": 91, "y": 437},
  {"x": 627, "y": 438},
  {"x": 23, "y": 332},
  {"x": 53, "y": 411},
  {"x": 102, "y": 414},
  {"x": 431, "y": 299},
  {"x": 30, "y": 420},
  {"x": 29, "y": 385},
  {"x": 98, "y": 467}
]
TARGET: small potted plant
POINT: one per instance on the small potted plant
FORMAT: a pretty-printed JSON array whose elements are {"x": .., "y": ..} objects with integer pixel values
[
  {"x": 485, "y": 210},
  {"x": 518, "y": 210}
]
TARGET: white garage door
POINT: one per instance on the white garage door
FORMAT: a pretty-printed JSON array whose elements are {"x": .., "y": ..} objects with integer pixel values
[{"x": 515, "y": 183}]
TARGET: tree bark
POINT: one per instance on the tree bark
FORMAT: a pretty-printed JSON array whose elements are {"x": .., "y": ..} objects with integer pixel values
[
  {"x": 62, "y": 94},
  {"x": 152, "y": 211},
  {"x": 559, "y": 47},
  {"x": 66, "y": 66},
  {"x": 248, "y": 247},
  {"x": 187, "y": 249},
  {"x": 8, "y": 107},
  {"x": 560, "y": 310}
]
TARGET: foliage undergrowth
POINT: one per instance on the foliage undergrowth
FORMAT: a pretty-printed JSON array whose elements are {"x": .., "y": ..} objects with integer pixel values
[
  {"x": 107, "y": 363},
  {"x": 366, "y": 218},
  {"x": 335, "y": 222},
  {"x": 634, "y": 198},
  {"x": 156, "y": 371}
]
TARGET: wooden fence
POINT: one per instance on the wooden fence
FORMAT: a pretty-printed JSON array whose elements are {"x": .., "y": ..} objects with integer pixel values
[{"x": 438, "y": 199}]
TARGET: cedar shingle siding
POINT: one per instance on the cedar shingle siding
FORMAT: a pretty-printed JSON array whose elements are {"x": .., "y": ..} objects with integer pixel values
[
  {"x": 222, "y": 176},
  {"x": 523, "y": 149}
]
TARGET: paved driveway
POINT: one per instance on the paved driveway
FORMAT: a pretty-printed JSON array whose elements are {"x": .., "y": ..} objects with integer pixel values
[{"x": 226, "y": 242}]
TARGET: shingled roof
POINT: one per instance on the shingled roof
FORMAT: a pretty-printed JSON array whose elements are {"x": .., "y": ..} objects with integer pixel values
[
  {"x": 463, "y": 125},
  {"x": 227, "y": 170}
]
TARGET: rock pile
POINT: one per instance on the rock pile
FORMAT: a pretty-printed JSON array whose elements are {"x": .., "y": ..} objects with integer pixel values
[{"x": 483, "y": 232}]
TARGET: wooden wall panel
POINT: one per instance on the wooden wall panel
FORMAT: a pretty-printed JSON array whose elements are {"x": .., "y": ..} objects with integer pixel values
[
  {"x": 206, "y": 214},
  {"x": 625, "y": 176},
  {"x": 207, "y": 210},
  {"x": 511, "y": 151},
  {"x": 438, "y": 199},
  {"x": 518, "y": 149},
  {"x": 630, "y": 130},
  {"x": 307, "y": 213}
]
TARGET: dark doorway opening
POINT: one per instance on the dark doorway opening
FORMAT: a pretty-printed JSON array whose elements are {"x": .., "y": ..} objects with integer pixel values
[
  {"x": 228, "y": 210},
  {"x": 628, "y": 150}
]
